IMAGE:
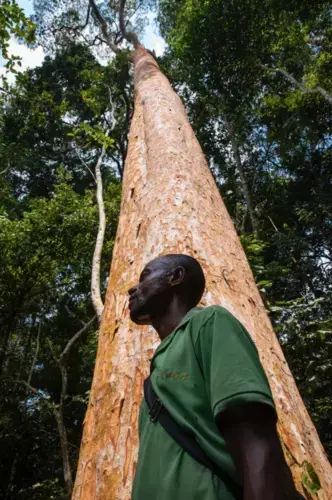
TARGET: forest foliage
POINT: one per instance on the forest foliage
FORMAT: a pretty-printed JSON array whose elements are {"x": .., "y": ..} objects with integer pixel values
[{"x": 255, "y": 78}]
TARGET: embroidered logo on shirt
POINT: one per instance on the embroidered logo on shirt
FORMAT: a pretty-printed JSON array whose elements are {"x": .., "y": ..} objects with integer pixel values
[{"x": 174, "y": 375}]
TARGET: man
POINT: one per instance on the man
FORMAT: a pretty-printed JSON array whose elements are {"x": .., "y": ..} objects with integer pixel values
[{"x": 206, "y": 372}]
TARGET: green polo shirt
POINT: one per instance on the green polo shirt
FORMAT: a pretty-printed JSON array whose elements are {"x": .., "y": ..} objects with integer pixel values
[{"x": 207, "y": 364}]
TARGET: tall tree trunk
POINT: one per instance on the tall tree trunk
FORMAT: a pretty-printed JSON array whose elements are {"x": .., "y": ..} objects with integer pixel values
[
  {"x": 67, "y": 474},
  {"x": 59, "y": 417},
  {"x": 11, "y": 483},
  {"x": 170, "y": 203}
]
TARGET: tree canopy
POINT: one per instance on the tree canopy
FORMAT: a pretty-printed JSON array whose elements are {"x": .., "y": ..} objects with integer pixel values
[{"x": 255, "y": 78}]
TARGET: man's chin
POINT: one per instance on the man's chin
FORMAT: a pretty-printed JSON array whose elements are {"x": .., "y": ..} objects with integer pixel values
[{"x": 140, "y": 319}]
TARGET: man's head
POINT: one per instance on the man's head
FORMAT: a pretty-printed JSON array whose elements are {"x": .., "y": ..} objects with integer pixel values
[{"x": 165, "y": 279}]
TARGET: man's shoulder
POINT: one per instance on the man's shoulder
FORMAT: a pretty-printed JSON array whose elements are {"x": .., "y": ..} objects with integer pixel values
[
  {"x": 204, "y": 315},
  {"x": 209, "y": 317},
  {"x": 209, "y": 311},
  {"x": 205, "y": 321}
]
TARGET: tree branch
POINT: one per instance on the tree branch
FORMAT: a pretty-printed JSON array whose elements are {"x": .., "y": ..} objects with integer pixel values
[
  {"x": 128, "y": 35},
  {"x": 111, "y": 113},
  {"x": 300, "y": 85},
  {"x": 137, "y": 8},
  {"x": 6, "y": 169},
  {"x": 127, "y": 104},
  {"x": 6, "y": 91},
  {"x": 85, "y": 165},
  {"x": 96, "y": 260},
  {"x": 72, "y": 341},
  {"x": 324, "y": 93},
  {"x": 28, "y": 386},
  {"x": 45, "y": 290},
  {"x": 103, "y": 27},
  {"x": 273, "y": 224},
  {"x": 120, "y": 172},
  {"x": 87, "y": 18},
  {"x": 73, "y": 315},
  {"x": 35, "y": 356}
]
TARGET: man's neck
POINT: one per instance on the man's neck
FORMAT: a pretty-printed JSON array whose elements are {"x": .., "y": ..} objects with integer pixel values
[{"x": 166, "y": 324}]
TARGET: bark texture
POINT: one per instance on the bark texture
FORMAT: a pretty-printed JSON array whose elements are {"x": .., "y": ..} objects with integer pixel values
[{"x": 170, "y": 203}]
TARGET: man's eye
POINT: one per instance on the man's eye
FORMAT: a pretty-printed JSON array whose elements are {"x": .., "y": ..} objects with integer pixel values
[{"x": 143, "y": 276}]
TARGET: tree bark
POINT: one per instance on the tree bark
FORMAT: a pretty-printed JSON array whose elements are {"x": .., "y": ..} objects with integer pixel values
[{"x": 171, "y": 204}]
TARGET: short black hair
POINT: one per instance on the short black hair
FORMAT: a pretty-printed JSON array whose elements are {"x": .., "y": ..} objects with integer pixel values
[{"x": 193, "y": 285}]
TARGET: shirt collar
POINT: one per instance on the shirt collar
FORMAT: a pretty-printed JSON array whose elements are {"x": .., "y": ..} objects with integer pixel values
[
  {"x": 187, "y": 317},
  {"x": 164, "y": 343}
]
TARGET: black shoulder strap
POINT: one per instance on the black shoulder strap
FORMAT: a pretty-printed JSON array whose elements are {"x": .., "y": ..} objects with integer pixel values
[{"x": 185, "y": 439}]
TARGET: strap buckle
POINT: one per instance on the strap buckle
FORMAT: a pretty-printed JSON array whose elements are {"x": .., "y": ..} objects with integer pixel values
[{"x": 155, "y": 410}]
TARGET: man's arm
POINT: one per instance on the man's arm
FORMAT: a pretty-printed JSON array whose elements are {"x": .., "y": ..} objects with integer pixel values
[{"x": 251, "y": 437}]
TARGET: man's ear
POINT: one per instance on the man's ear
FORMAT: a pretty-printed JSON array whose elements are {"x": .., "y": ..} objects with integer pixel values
[{"x": 177, "y": 276}]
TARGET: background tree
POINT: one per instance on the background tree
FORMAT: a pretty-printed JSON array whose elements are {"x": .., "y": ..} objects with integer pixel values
[
  {"x": 51, "y": 137},
  {"x": 13, "y": 22}
]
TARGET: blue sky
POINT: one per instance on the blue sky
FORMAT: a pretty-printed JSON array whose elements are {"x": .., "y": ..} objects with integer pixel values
[
  {"x": 27, "y": 5},
  {"x": 31, "y": 58}
]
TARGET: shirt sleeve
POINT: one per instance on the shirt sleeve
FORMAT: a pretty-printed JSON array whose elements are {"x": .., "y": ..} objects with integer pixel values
[{"x": 230, "y": 363}]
